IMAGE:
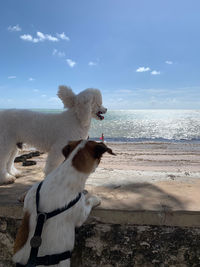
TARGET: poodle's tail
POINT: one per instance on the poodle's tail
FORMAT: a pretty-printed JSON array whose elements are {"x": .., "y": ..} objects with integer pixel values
[{"x": 67, "y": 96}]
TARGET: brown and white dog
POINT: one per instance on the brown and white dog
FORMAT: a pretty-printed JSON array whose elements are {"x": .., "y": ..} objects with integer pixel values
[{"x": 59, "y": 188}]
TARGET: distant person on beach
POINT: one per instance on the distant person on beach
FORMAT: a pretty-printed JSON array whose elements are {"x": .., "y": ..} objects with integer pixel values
[{"x": 102, "y": 137}]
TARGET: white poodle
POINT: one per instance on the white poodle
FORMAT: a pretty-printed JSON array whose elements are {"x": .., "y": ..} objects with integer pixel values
[{"x": 47, "y": 132}]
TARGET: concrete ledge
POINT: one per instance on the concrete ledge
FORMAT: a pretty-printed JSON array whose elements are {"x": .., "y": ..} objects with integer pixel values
[
  {"x": 178, "y": 218},
  {"x": 14, "y": 212},
  {"x": 142, "y": 217}
]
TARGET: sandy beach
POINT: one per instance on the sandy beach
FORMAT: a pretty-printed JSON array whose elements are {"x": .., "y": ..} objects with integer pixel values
[
  {"x": 139, "y": 162},
  {"x": 148, "y": 161},
  {"x": 142, "y": 176}
]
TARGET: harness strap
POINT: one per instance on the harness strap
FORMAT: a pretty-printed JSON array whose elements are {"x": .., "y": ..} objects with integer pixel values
[
  {"x": 53, "y": 259},
  {"x": 19, "y": 265},
  {"x": 36, "y": 240},
  {"x": 38, "y": 196},
  {"x": 58, "y": 211},
  {"x": 48, "y": 259}
]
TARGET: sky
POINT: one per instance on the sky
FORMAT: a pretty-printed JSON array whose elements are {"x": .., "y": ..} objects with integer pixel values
[{"x": 141, "y": 54}]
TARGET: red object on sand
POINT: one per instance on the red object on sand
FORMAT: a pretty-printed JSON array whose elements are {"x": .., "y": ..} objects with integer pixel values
[{"x": 102, "y": 137}]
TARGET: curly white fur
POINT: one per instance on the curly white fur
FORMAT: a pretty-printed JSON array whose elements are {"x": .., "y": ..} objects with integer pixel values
[{"x": 47, "y": 132}]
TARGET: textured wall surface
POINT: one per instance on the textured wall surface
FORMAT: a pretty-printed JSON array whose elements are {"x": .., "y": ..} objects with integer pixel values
[{"x": 109, "y": 245}]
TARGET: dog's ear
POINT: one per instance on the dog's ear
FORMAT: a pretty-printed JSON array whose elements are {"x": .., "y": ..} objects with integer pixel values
[
  {"x": 100, "y": 149},
  {"x": 69, "y": 148},
  {"x": 66, "y": 151},
  {"x": 67, "y": 96}
]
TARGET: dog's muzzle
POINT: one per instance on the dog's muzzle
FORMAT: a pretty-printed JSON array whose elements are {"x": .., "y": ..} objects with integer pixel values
[{"x": 100, "y": 112}]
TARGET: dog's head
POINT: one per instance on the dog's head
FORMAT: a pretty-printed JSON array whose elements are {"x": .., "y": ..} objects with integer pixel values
[
  {"x": 87, "y": 155},
  {"x": 87, "y": 104}
]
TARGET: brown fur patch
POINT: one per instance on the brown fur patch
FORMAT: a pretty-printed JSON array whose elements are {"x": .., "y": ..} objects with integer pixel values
[
  {"x": 84, "y": 161},
  {"x": 22, "y": 233},
  {"x": 90, "y": 155},
  {"x": 69, "y": 148}
]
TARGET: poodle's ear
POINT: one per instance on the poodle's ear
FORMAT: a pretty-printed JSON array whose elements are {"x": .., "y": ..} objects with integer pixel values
[{"x": 67, "y": 96}]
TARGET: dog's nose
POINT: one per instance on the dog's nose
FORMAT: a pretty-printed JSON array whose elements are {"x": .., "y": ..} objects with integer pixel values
[{"x": 106, "y": 110}]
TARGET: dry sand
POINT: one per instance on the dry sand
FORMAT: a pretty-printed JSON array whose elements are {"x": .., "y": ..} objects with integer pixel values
[
  {"x": 149, "y": 162},
  {"x": 143, "y": 176},
  {"x": 141, "y": 162}
]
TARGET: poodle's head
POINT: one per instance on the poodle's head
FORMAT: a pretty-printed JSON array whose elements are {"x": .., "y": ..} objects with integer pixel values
[
  {"x": 87, "y": 104},
  {"x": 92, "y": 100}
]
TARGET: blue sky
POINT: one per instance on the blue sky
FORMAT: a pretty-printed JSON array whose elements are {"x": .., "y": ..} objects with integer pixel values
[{"x": 140, "y": 54}]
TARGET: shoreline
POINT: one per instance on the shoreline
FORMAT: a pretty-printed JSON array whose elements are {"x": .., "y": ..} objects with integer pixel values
[{"x": 145, "y": 140}]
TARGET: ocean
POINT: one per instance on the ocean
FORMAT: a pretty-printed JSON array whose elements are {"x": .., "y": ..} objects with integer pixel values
[{"x": 147, "y": 125}]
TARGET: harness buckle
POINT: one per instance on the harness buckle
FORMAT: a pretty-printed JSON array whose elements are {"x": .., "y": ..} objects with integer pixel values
[
  {"x": 36, "y": 241},
  {"x": 42, "y": 214}
]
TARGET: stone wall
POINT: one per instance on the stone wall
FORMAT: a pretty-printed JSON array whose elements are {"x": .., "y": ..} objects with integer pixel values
[
  {"x": 107, "y": 245},
  {"x": 8, "y": 230}
]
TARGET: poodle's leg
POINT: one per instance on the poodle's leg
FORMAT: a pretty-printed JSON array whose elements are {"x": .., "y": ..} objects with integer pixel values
[
  {"x": 54, "y": 159},
  {"x": 10, "y": 165},
  {"x": 6, "y": 149}
]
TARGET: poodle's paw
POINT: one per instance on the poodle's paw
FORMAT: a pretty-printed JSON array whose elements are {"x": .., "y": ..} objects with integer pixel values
[
  {"x": 15, "y": 172},
  {"x": 94, "y": 201},
  {"x": 7, "y": 179}
]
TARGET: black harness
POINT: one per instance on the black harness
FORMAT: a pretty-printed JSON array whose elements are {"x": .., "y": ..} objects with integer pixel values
[{"x": 36, "y": 240}]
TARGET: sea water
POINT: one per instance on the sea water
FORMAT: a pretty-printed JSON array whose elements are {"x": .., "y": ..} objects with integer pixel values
[{"x": 146, "y": 125}]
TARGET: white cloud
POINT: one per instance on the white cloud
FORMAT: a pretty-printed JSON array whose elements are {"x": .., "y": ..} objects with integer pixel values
[
  {"x": 62, "y": 36},
  {"x": 155, "y": 72},
  {"x": 169, "y": 62},
  {"x": 58, "y": 53},
  {"x": 31, "y": 79},
  {"x": 35, "y": 90},
  {"x": 50, "y": 38},
  {"x": 91, "y": 63},
  {"x": 29, "y": 38},
  {"x": 12, "y": 77},
  {"x": 41, "y": 37},
  {"x": 143, "y": 69},
  {"x": 70, "y": 62},
  {"x": 15, "y": 28}
]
